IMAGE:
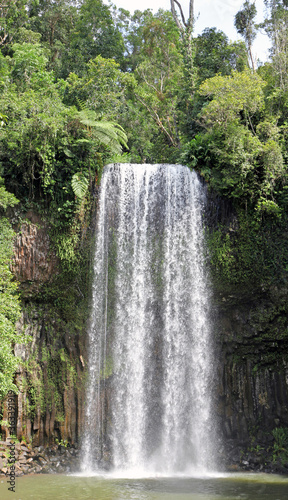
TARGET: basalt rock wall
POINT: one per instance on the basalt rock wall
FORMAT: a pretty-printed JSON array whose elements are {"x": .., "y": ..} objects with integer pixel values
[
  {"x": 252, "y": 347},
  {"x": 51, "y": 375},
  {"x": 250, "y": 329}
]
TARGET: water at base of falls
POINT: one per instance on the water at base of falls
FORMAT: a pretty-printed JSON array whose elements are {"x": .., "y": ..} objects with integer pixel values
[{"x": 150, "y": 350}]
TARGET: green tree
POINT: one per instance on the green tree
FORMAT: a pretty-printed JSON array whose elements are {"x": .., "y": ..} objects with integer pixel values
[
  {"x": 185, "y": 27},
  {"x": 13, "y": 15},
  {"x": 55, "y": 20},
  {"x": 9, "y": 301},
  {"x": 241, "y": 152},
  {"x": 245, "y": 26},
  {"x": 159, "y": 75},
  {"x": 44, "y": 142},
  {"x": 29, "y": 67},
  {"x": 215, "y": 54},
  {"x": 276, "y": 26},
  {"x": 235, "y": 98},
  {"x": 97, "y": 32},
  {"x": 102, "y": 89}
]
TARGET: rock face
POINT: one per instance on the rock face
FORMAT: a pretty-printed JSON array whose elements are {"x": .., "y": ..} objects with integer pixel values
[
  {"x": 250, "y": 324},
  {"x": 34, "y": 261},
  {"x": 252, "y": 394},
  {"x": 251, "y": 340},
  {"x": 28, "y": 460},
  {"x": 51, "y": 376}
]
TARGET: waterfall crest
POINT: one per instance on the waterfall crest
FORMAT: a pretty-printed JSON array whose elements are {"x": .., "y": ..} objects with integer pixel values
[{"x": 150, "y": 356}]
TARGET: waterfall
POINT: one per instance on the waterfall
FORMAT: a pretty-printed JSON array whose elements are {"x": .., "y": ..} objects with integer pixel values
[{"x": 150, "y": 348}]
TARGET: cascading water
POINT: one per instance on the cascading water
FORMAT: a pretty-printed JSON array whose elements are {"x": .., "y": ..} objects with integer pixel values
[{"x": 150, "y": 361}]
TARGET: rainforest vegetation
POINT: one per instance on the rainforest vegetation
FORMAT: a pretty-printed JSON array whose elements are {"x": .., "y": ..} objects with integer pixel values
[{"x": 83, "y": 84}]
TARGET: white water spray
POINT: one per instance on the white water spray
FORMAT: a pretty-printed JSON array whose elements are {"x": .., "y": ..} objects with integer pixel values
[{"x": 150, "y": 360}]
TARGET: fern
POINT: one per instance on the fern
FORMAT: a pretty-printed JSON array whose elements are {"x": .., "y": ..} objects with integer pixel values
[
  {"x": 81, "y": 104},
  {"x": 79, "y": 184},
  {"x": 109, "y": 133}
]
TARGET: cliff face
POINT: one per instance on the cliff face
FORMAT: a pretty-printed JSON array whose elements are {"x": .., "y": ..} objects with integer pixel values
[
  {"x": 50, "y": 377},
  {"x": 34, "y": 262},
  {"x": 252, "y": 343},
  {"x": 251, "y": 338}
]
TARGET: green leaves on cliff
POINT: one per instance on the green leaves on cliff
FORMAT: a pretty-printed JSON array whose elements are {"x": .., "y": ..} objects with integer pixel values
[
  {"x": 9, "y": 303},
  {"x": 249, "y": 251},
  {"x": 6, "y": 199},
  {"x": 9, "y": 309}
]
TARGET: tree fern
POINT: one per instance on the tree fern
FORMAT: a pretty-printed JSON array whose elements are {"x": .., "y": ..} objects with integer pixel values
[
  {"x": 109, "y": 133},
  {"x": 79, "y": 184}
]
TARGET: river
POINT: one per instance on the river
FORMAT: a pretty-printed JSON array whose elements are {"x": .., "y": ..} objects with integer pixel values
[{"x": 239, "y": 486}]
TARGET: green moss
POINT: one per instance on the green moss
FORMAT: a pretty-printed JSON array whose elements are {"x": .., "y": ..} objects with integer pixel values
[
  {"x": 49, "y": 371},
  {"x": 250, "y": 252}
]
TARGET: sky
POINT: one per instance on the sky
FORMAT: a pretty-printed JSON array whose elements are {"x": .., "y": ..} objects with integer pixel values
[{"x": 209, "y": 13}]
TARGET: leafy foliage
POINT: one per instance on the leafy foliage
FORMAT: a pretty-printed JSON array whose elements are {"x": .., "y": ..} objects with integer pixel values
[
  {"x": 79, "y": 184},
  {"x": 242, "y": 92},
  {"x": 9, "y": 302},
  {"x": 244, "y": 24},
  {"x": 109, "y": 133},
  {"x": 240, "y": 152},
  {"x": 13, "y": 17},
  {"x": 6, "y": 199},
  {"x": 214, "y": 54},
  {"x": 280, "y": 447}
]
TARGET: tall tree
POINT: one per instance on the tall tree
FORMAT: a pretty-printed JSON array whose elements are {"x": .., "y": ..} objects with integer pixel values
[
  {"x": 160, "y": 73},
  {"x": 245, "y": 26},
  {"x": 75, "y": 32},
  {"x": 215, "y": 54},
  {"x": 13, "y": 15},
  {"x": 185, "y": 27},
  {"x": 276, "y": 26}
]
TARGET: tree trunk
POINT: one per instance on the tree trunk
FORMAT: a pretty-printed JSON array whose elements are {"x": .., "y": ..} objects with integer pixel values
[{"x": 184, "y": 26}]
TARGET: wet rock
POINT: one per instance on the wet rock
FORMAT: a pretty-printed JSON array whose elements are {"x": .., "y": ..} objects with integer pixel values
[
  {"x": 31, "y": 249},
  {"x": 25, "y": 469}
]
